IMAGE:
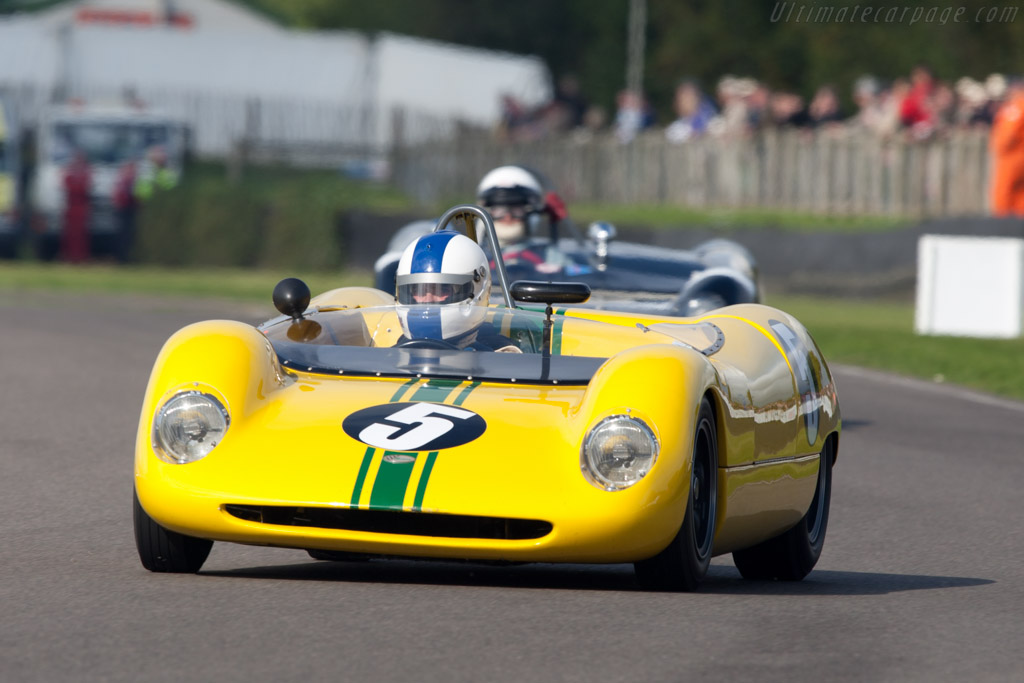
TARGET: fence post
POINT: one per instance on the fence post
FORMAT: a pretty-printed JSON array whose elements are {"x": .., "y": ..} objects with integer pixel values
[{"x": 396, "y": 150}]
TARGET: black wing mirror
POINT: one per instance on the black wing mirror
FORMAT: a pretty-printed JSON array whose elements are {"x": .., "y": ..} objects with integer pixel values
[
  {"x": 537, "y": 292},
  {"x": 291, "y": 297},
  {"x": 549, "y": 293}
]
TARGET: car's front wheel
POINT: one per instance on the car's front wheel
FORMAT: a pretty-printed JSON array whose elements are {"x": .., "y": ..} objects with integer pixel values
[
  {"x": 682, "y": 565},
  {"x": 163, "y": 550},
  {"x": 791, "y": 556}
]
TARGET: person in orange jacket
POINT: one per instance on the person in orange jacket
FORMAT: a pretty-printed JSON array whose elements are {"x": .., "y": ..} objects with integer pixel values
[{"x": 1006, "y": 142}]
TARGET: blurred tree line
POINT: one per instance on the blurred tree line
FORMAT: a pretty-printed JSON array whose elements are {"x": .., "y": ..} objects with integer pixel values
[{"x": 704, "y": 39}]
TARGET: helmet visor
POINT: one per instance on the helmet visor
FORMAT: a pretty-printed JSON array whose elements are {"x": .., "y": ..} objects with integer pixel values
[
  {"x": 504, "y": 213},
  {"x": 434, "y": 288},
  {"x": 517, "y": 196}
]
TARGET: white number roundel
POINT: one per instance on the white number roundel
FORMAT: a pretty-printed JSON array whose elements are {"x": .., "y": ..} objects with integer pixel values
[{"x": 414, "y": 426}]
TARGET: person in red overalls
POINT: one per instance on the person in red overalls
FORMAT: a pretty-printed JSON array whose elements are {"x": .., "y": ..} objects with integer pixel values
[
  {"x": 1006, "y": 142},
  {"x": 74, "y": 245},
  {"x": 125, "y": 206}
]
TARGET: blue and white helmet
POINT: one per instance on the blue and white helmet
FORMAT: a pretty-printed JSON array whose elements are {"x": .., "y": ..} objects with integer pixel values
[{"x": 443, "y": 287}]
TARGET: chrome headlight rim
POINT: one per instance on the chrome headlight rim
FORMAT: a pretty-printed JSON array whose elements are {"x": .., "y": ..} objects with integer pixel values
[
  {"x": 195, "y": 390},
  {"x": 592, "y": 473}
]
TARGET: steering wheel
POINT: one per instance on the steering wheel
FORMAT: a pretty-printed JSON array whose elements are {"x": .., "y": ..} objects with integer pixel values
[{"x": 427, "y": 343}]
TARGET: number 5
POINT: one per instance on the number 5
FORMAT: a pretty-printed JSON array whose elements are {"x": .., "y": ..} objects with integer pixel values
[{"x": 423, "y": 420}]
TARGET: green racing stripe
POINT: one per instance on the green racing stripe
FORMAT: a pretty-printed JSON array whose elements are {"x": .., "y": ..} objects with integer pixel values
[
  {"x": 421, "y": 488},
  {"x": 392, "y": 480},
  {"x": 465, "y": 393},
  {"x": 394, "y": 474},
  {"x": 364, "y": 467}
]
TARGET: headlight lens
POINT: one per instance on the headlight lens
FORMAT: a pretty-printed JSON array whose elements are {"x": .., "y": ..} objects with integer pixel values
[
  {"x": 188, "y": 426},
  {"x": 618, "y": 452}
]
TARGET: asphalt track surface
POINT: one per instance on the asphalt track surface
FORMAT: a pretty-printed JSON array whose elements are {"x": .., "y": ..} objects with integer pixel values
[{"x": 920, "y": 580}]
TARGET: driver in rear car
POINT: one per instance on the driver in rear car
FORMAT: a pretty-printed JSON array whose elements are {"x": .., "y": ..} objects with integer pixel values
[{"x": 443, "y": 287}]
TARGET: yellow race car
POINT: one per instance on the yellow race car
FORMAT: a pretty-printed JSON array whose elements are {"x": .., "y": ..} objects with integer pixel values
[{"x": 603, "y": 437}]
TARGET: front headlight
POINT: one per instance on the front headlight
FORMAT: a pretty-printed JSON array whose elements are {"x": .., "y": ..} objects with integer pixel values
[
  {"x": 188, "y": 426},
  {"x": 618, "y": 452}
]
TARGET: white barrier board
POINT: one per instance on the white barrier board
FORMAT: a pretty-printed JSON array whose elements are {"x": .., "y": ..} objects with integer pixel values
[{"x": 970, "y": 286}]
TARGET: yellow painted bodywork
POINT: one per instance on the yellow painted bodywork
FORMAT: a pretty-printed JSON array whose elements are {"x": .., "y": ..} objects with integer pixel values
[
  {"x": 767, "y": 467},
  {"x": 286, "y": 446}
]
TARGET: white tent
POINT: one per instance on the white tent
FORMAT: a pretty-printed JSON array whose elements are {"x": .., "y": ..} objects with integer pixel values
[
  {"x": 451, "y": 80},
  {"x": 233, "y": 76}
]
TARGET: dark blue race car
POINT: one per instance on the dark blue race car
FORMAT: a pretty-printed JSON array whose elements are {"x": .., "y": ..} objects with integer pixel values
[{"x": 622, "y": 275}]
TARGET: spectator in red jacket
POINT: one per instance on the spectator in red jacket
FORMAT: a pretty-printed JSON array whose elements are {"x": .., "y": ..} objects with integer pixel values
[
  {"x": 77, "y": 191},
  {"x": 915, "y": 111}
]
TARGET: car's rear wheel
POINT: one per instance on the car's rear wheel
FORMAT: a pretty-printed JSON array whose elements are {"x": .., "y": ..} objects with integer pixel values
[
  {"x": 682, "y": 565},
  {"x": 163, "y": 550},
  {"x": 792, "y": 555}
]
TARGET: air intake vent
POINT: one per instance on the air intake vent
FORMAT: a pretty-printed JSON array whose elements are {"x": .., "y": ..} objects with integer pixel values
[{"x": 394, "y": 522}]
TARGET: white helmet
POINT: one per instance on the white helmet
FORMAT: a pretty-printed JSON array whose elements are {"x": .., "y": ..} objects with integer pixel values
[
  {"x": 511, "y": 194},
  {"x": 443, "y": 287}
]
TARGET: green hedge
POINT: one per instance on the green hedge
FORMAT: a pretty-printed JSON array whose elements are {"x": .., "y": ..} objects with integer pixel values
[{"x": 270, "y": 218}]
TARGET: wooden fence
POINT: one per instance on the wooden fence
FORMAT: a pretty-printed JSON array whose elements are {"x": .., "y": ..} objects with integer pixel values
[{"x": 838, "y": 172}]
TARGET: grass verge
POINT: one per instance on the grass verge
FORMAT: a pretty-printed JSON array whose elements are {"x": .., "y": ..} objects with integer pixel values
[
  {"x": 224, "y": 283},
  {"x": 880, "y": 335},
  {"x": 669, "y": 217},
  {"x": 269, "y": 218}
]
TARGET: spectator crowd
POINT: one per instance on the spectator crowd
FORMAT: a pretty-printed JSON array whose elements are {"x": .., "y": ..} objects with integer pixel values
[
  {"x": 919, "y": 106},
  {"x": 915, "y": 108}
]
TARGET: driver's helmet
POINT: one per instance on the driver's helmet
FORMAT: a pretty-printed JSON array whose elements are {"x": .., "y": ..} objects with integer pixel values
[
  {"x": 512, "y": 195},
  {"x": 443, "y": 286}
]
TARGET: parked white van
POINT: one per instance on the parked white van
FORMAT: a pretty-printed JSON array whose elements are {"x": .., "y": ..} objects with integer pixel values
[{"x": 109, "y": 136}]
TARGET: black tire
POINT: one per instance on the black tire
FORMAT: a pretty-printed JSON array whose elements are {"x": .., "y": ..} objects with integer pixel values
[
  {"x": 682, "y": 565},
  {"x": 162, "y": 550},
  {"x": 792, "y": 555}
]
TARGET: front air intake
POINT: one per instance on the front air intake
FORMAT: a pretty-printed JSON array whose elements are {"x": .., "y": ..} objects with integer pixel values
[{"x": 394, "y": 522}]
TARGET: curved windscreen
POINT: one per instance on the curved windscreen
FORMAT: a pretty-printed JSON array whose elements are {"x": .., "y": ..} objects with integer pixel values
[
  {"x": 483, "y": 366},
  {"x": 507, "y": 346}
]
